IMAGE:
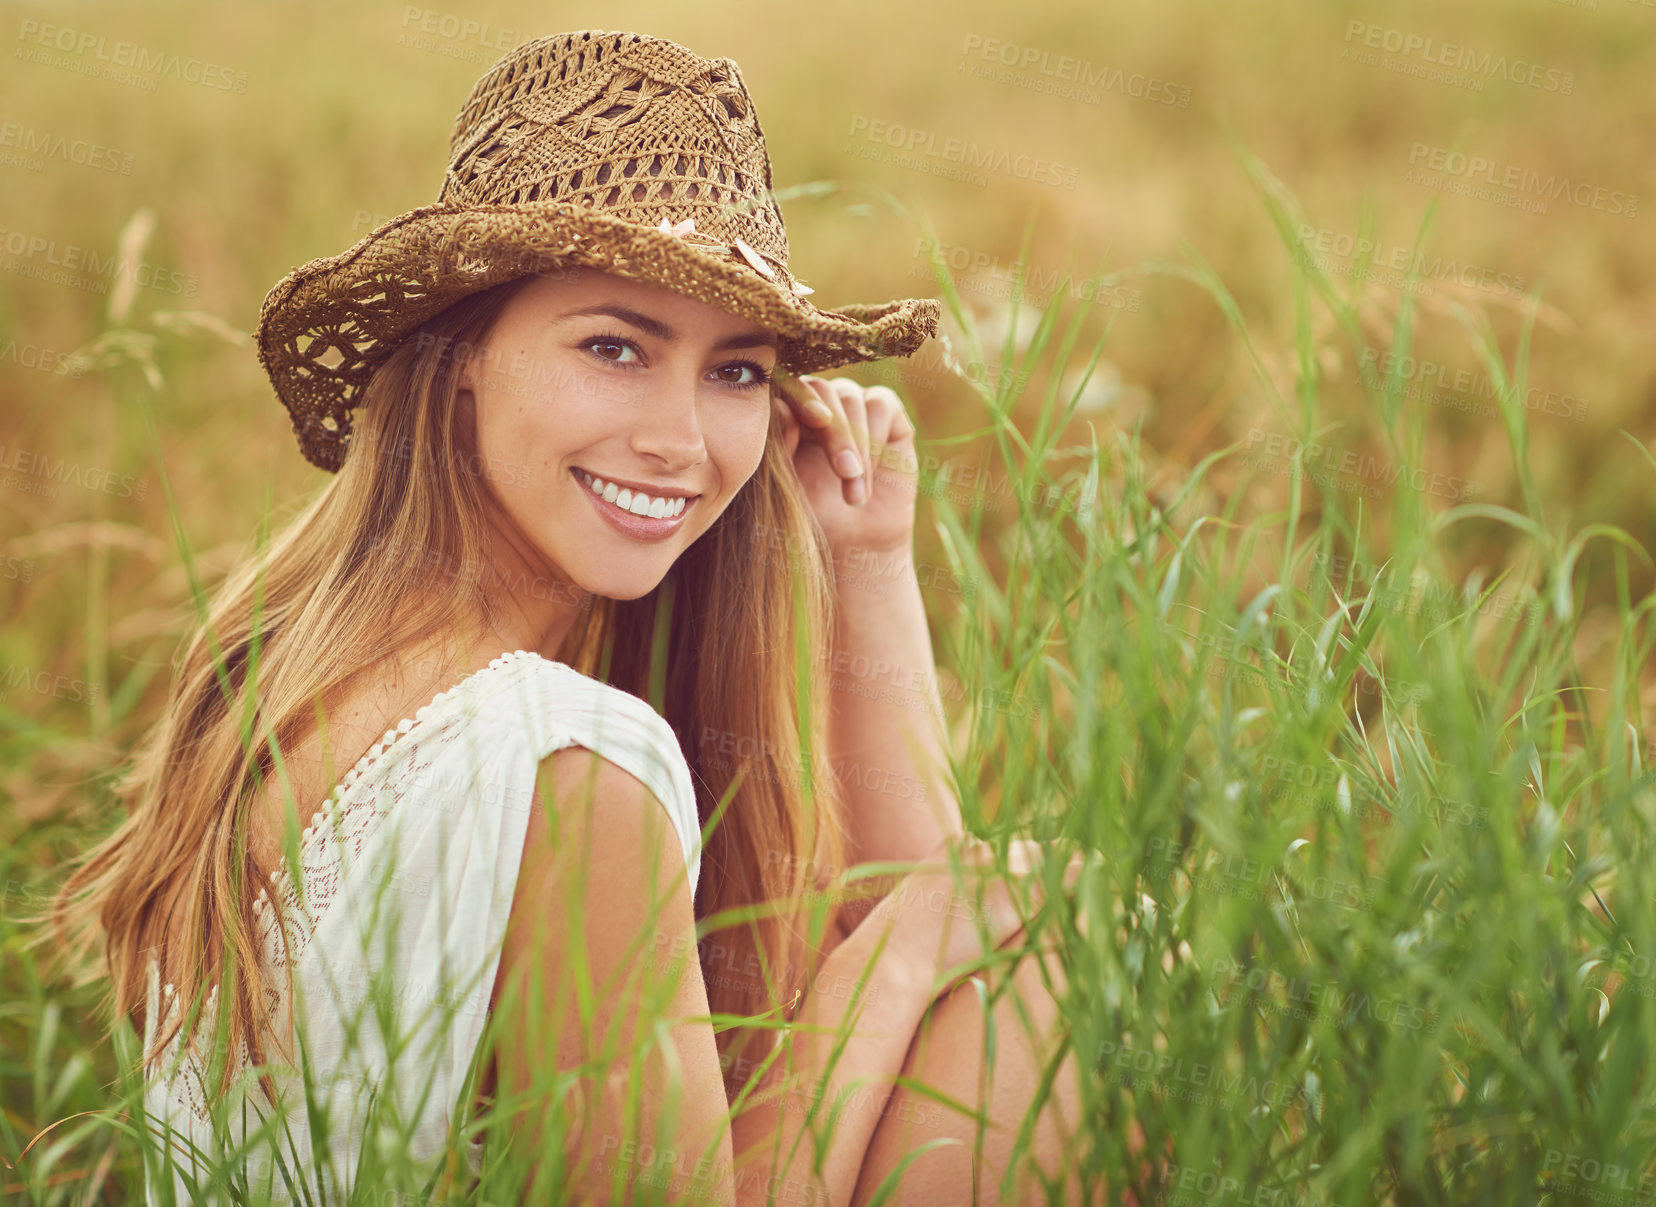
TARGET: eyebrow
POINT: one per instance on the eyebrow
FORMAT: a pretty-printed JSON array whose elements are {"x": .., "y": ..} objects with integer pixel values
[{"x": 660, "y": 330}]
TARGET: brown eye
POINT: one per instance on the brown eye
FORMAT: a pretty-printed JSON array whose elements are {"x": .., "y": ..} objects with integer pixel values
[
  {"x": 612, "y": 341},
  {"x": 760, "y": 376}
]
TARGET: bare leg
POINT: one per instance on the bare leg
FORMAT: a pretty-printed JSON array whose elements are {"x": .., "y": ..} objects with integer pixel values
[{"x": 947, "y": 1053}]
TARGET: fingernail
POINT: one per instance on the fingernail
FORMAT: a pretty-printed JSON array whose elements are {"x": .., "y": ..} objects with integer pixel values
[
  {"x": 848, "y": 463},
  {"x": 858, "y": 490},
  {"x": 819, "y": 408}
]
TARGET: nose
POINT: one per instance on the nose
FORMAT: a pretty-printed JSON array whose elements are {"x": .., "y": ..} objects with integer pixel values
[{"x": 669, "y": 422}]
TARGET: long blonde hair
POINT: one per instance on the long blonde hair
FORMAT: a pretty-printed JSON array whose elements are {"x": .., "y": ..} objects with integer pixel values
[{"x": 338, "y": 593}]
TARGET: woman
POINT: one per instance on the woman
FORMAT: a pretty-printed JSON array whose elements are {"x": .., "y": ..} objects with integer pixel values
[{"x": 581, "y": 461}]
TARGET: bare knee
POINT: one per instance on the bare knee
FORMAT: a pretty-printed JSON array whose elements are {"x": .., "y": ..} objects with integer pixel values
[{"x": 949, "y": 1054}]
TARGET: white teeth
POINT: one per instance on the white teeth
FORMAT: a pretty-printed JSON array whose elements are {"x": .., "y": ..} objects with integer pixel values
[{"x": 636, "y": 502}]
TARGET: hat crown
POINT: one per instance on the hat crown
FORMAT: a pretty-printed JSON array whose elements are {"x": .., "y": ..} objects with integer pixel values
[
  {"x": 605, "y": 150},
  {"x": 637, "y": 127}
]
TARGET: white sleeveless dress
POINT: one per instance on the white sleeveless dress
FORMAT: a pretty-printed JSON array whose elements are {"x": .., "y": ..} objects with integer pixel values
[{"x": 442, "y": 801}]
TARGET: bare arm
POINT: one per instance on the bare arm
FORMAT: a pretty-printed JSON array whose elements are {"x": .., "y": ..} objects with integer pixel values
[
  {"x": 593, "y": 858},
  {"x": 582, "y": 864},
  {"x": 584, "y": 898},
  {"x": 941, "y": 918},
  {"x": 888, "y": 743},
  {"x": 878, "y": 1022}
]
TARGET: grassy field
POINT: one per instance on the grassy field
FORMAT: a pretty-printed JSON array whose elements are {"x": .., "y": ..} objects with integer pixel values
[{"x": 1306, "y": 518}]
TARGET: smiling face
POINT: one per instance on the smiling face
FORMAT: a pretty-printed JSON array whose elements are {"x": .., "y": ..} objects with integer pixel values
[{"x": 662, "y": 399}]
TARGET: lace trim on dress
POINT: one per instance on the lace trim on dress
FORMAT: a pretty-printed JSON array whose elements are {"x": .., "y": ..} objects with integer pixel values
[
  {"x": 313, "y": 852},
  {"x": 311, "y": 840},
  {"x": 351, "y": 820}
]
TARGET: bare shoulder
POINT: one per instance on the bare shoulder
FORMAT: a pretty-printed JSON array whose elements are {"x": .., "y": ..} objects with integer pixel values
[
  {"x": 581, "y": 868},
  {"x": 590, "y": 810},
  {"x": 599, "y": 949},
  {"x": 357, "y": 716}
]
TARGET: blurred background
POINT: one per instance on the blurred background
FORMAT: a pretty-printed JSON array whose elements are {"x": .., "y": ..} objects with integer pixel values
[{"x": 263, "y": 135}]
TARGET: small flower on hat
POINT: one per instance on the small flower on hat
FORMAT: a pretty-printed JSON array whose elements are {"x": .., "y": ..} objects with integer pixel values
[
  {"x": 753, "y": 258},
  {"x": 686, "y": 227}
]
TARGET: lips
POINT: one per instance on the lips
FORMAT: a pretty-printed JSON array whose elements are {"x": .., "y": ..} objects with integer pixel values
[
  {"x": 664, "y": 502},
  {"x": 639, "y": 527}
]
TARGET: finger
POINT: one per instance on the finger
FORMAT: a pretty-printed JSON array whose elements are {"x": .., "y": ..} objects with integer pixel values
[
  {"x": 892, "y": 431},
  {"x": 807, "y": 402},
  {"x": 837, "y": 438},
  {"x": 787, "y": 418},
  {"x": 855, "y": 404}
]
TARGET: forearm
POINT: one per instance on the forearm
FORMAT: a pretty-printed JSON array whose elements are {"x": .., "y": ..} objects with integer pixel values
[
  {"x": 770, "y": 1137},
  {"x": 886, "y": 733}
]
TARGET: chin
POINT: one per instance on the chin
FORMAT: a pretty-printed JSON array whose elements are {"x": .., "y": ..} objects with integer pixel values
[{"x": 618, "y": 584}]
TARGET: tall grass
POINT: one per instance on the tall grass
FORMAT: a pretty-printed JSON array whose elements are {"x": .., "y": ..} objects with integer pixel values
[{"x": 1369, "y": 907}]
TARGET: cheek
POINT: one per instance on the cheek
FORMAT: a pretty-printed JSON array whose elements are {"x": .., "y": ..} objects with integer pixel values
[
  {"x": 523, "y": 419},
  {"x": 498, "y": 439},
  {"x": 755, "y": 436}
]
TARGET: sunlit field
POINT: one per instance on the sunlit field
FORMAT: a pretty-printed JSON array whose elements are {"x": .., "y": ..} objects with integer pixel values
[{"x": 1287, "y": 459}]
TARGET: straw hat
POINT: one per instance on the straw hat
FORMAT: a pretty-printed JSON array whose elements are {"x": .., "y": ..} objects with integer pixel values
[{"x": 604, "y": 149}]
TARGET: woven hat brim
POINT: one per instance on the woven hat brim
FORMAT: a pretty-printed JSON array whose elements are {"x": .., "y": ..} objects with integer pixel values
[{"x": 327, "y": 325}]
